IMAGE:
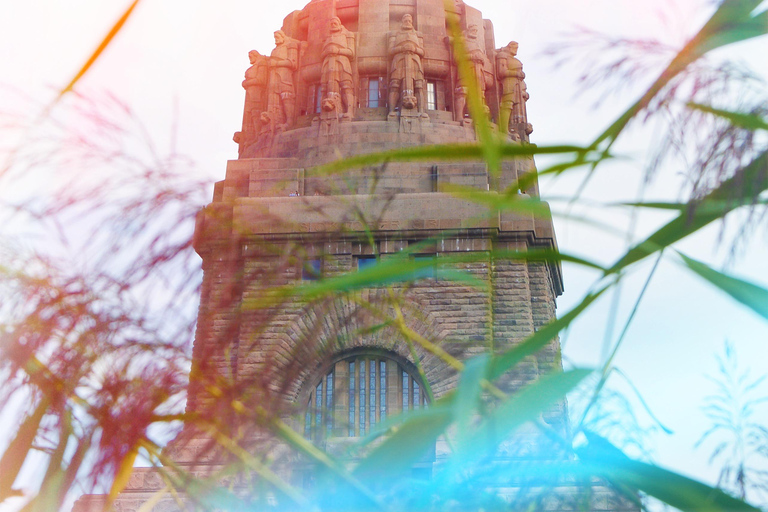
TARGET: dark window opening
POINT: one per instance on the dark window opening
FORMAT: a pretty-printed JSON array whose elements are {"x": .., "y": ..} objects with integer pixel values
[
  {"x": 311, "y": 270},
  {"x": 373, "y": 92},
  {"x": 357, "y": 394},
  {"x": 364, "y": 262},
  {"x": 428, "y": 271}
]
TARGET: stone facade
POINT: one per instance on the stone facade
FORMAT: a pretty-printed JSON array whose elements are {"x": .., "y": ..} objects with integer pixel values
[{"x": 345, "y": 78}]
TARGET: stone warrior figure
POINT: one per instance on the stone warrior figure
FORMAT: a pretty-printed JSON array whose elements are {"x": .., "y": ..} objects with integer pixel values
[
  {"x": 283, "y": 62},
  {"x": 255, "y": 85},
  {"x": 338, "y": 52},
  {"x": 406, "y": 48},
  {"x": 480, "y": 64},
  {"x": 509, "y": 71}
]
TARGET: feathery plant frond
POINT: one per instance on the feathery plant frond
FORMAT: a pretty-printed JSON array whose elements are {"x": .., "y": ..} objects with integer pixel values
[{"x": 739, "y": 440}]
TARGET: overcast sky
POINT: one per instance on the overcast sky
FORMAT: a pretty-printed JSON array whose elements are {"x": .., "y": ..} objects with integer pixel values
[{"x": 178, "y": 65}]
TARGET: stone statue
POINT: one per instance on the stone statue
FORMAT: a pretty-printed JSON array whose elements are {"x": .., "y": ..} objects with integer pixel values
[
  {"x": 509, "y": 71},
  {"x": 283, "y": 62},
  {"x": 338, "y": 53},
  {"x": 255, "y": 85},
  {"x": 406, "y": 86},
  {"x": 480, "y": 64},
  {"x": 266, "y": 131}
]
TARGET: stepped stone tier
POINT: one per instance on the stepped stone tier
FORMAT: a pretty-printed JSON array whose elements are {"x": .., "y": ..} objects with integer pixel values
[{"x": 346, "y": 78}]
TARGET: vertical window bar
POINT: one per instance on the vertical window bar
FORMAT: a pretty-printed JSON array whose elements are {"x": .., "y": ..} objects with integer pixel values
[
  {"x": 382, "y": 390},
  {"x": 372, "y": 392},
  {"x": 318, "y": 408},
  {"x": 351, "y": 399},
  {"x": 416, "y": 395},
  {"x": 308, "y": 418},
  {"x": 406, "y": 395},
  {"x": 329, "y": 402},
  {"x": 362, "y": 397}
]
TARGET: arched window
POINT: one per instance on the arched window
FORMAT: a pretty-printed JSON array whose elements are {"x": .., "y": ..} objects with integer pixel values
[{"x": 358, "y": 392}]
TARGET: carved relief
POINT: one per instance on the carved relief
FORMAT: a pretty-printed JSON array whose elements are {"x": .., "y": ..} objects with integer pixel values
[
  {"x": 266, "y": 131},
  {"x": 338, "y": 53},
  {"x": 283, "y": 62},
  {"x": 481, "y": 67},
  {"x": 330, "y": 115},
  {"x": 406, "y": 86}
]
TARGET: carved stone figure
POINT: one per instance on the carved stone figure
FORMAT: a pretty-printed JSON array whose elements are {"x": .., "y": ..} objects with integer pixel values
[
  {"x": 509, "y": 71},
  {"x": 338, "y": 52},
  {"x": 255, "y": 85},
  {"x": 480, "y": 64},
  {"x": 266, "y": 131},
  {"x": 283, "y": 62},
  {"x": 331, "y": 114},
  {"x": 406, "y": 86}
]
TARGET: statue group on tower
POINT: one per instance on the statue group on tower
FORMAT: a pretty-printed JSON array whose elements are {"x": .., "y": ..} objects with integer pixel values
[{"x": 273, "y": 84}]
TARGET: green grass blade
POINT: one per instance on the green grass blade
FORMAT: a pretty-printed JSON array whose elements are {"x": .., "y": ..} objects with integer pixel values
[
  {"x": 500, "y": 202},
  {"x": 467, "y": 400},
  {"x": 748, "y": 121},
  {"x": 753, "y": 296},
  {"x": 738, "y": 190},
  {"x": 409, "y": 443},
  {"x": 500, "y": 364},
  {"x": 732, "y": 22},
  {"x": 440, "y": 153},
  {"x": 602, "y": 458},
  {"x": 520, "y": 408}
]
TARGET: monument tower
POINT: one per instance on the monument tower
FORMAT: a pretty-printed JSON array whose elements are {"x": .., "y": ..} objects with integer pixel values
[{"x": 348, "y": 78}]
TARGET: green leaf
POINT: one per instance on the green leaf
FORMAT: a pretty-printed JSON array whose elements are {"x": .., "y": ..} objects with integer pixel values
[
  {"x": 516, "y": 410},
  {"x": 500, "y": 364},
  {"x": 753, "y": 296},
  {"x": 440, "y": 153},
  {"x": 407, "y": 445},
  {"x": 736, "y": 191},
  {"x": 304, "y": 446},
  {"x": 467, "y": 399},
  {"x": 732, "y": 22},
  {"x": 600, "y": 457},
  {"x": 387, "y": 271},
  {"x": 749, "y": 121},
  {"x": 501, "y": 202}
]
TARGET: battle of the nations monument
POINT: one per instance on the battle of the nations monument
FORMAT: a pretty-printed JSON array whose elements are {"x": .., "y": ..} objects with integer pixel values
[{"x": 310, "y": 339}]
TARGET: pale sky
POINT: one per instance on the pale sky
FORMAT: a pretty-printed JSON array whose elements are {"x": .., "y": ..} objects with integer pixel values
[{"x": 178, "y": 65}]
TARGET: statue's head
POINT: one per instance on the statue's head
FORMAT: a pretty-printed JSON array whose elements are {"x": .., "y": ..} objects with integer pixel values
[
  {"x": 512, "y": 47},
  {"x": 407, "y": 22},
  {"x": 279, "y": 37},
  {"x": 472, "y": 32},
  {"x": 253, "y": 56},
  {"x": 265, "y": 117},
  {"x": 335, "y": 24}
]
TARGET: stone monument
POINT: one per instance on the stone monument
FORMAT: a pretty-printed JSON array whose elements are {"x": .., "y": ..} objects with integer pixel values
[{"x": 332, "y": 368}]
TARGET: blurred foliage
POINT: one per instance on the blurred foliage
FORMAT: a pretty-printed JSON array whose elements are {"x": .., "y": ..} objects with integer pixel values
[
  {"x": 740, "y": 442},
  {"x": 95, "y": 351}
]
